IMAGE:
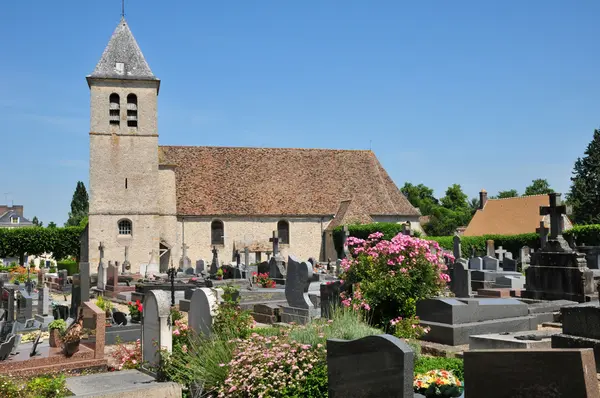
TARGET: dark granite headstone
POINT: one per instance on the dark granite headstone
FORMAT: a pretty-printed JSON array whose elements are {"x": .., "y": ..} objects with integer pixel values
[
  {"x": 276, "y": 269},
  {"x": 330, "y": 298},
  {"x": 214, "y": 265},
  {"x": 461, "y": 280},
  {"x": 199, "y": 266},
  {"x": 7, "y": 347},
  {"x": 297, "y": 283},
  {"x": 24, "y": 306},
  {"x": 508, "y": 264},
  {"x": 75, "y": 296},
  {"x": 371, "y": 367},
  {"x": 581, "y": 329},
  {"x": 530, "y": 374},
  {"x": 476, "y": 263}
]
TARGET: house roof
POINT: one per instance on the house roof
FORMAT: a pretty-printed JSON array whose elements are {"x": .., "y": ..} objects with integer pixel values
[
  {"x": 123, "y": 48},
  {"x": 6, "y": 217},
  {"x": 510, "y": 216},
  {"x": 281, "y": 181}
]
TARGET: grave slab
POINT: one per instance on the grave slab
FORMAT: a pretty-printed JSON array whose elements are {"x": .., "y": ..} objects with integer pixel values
[
  {"x": 123, "y": 384},
  {"x": 535, "y": 339},
  {"x": 463, "y": 310}
]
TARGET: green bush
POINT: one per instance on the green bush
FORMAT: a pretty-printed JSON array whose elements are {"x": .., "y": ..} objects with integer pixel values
[
  {"x": 58, "y": 324},
  {"x": 315, "y": 386},
  {"x": 426, "y": 363},
  {"x": 61, "y": 242},
  {"x": 42, "y": 386},
  {"x": 584, "y": 234},
  {"x": 232, "y": 322},
  {"x": 71, "y": 266}
]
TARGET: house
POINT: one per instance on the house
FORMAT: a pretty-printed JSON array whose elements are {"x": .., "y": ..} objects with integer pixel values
[
  {"x": 12, "y": 217},
  {"x": 157, "y": 201},
  {"x": 510, "y": 216}
]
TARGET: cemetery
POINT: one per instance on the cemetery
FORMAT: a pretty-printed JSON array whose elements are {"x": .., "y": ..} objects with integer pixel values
[
  {"x": 210, "y": 272},
  {"x": 288, "y": 327}
]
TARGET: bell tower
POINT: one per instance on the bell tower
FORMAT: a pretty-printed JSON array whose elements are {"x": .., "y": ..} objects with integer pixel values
[{"x": 123, "y": 153}]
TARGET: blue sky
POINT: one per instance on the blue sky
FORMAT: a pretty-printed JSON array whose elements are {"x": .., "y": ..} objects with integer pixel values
[{"x": 486, "y": 94}]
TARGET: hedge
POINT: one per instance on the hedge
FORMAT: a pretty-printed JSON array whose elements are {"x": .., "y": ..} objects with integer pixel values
[
  {"x": 72, "y": 267},
  {"x": 61, "y": 242},
  {"x": 580, "y": 234}
]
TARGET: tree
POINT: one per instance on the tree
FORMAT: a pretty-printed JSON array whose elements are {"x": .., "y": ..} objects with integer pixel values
[
  {"x": 538, "y": 186},
  {"x": 455, "y": 198},
  {"x": 79, "y": 206},
  {"x": 584, "y": 195},
  {"x": 474, "y": 205},
  {"x": 51, "y": 224},
  {"x": 511, "y": 193},
  {"x": 37, "y": 222},
  {"x": 420, "y": 196}
]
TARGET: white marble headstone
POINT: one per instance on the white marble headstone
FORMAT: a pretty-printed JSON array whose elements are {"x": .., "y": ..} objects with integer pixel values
[
  {"x": 156, "y": 328},
  {"x": 203, "y": 307}
]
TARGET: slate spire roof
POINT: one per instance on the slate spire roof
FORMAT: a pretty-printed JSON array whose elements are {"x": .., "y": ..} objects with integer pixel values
[{"x": 122, "y": 57}]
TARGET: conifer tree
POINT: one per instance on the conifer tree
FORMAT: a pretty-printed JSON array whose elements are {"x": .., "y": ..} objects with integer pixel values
[
  {"x": 584, "y": 195},
  {"x": 79, "y": 206}
]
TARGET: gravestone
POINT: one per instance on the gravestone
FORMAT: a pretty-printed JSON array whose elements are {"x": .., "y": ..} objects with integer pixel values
[
  {"x": 456, "y": 247},
  {"x": 7, "y": 347},
  {"x": 476, "y": 263},
  {"x": 214, "y": 265},
  {"x": 330, "y": 298},
  {"x": 491, "y": 264},
  {"x": 156, "y": 326},
  {"x": 126, "y": 266},
  {"x": 542, "y": 231},
  {"x": 203, "y": 306},
  {"x": 508, "y": 264},
  {"x": 101, "y": 284},
  {"x": 524, "y": 257},
  {"x": 461, "y": 281},
  {"x": 84, "y": 282},
  {"x": 557, "y": 272},
  {"x": 75, "y": 295},
  {"x": 199, "y": 266},
  {"x": 500, "y": 252},
  {"x": 24, "y": 306},
  {"x": 345, "y": 236},
  {"x": 43, "y": 307},
  {"x": 300, "y": 308},
  {"x": 189, "y": 271},
  {"x": 276, "y": 270},
  {"x": 112, "y": 278},
  {"x": 62, "y": 278},
  {"x": 530, "y": 373},
  {"x": 371, "y": 367},
  {"x": 581, "y": 329},
  {"x": 490, "y": 249}
]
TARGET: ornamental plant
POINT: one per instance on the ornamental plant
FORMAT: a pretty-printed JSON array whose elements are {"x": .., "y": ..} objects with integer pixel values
[
  {"x": 408, "y": 328},
  {"x": 438, "y": 383},
  {"x": 18, "y": 274},
  {"x": 263, "y": 280},
  {"x": 388, "y": 277},
  {"x": 232, "y": 322},
  {"x": 127, "y": 356},
  {"x": 135, "y": 309},
  {"x": 269, "y": 366}
]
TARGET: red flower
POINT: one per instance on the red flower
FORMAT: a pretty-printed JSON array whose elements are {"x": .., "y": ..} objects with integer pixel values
[
  {"x": 129, "y": 303},
  {"x": 137, "y": 302},
  {"x": 140, "y": 308}
]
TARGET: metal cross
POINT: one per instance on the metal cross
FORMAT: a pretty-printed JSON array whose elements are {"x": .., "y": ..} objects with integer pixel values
[{"x": 171, "y": 273}]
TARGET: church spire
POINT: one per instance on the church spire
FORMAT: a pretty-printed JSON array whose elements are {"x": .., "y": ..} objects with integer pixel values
[{"x": 122, "y": 57}]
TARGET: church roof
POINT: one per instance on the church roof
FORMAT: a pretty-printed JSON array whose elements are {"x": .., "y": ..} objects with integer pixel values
[
  {"x": 123, "y": 49},
  {"x": 281, "y": 181}
]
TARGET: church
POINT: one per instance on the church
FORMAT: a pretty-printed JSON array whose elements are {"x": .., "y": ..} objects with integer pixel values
[{"x": 164, "y": 206}]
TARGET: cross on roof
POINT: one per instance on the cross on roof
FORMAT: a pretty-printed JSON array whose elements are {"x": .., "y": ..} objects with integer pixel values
[{"x": 555, "y": 210}]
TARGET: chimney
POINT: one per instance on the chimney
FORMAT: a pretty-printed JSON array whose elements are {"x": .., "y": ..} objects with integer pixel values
[
  {"x": 482, "y": 199},
  {"x": 3, "y": 209},
  {"x": 18, "y": 209}
]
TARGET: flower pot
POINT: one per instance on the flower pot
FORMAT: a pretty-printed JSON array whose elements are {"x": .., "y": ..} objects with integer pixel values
[
  {"x": 70, "y": 348},
  {"x": 136, "y": 318},
  {"x": 54, "y": 340}
]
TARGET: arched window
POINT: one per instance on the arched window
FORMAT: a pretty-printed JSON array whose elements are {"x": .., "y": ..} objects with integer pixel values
[
  {"x": 124, "y": 227},
  {"x": 114, "y": 112},
  {"x": 217, "y": 233},
  {"x": 132, "y": 111},
  {"x": 283, "y": 231}
]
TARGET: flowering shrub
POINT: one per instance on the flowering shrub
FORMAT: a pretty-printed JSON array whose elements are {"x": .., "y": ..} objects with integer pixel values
[
  {"x": 267, "y": 366},
  {"x": 437, "y": 383},
  {"x": 263, "y": 280},
  {"x": 181, "y": 332},
  {"x": 232, "y": 322},
  {"x": 389, "y": 277},
  {"x": 127, "y": 356},
  {"x": 135, "y": 309},
  {"x": 41, "y": 386},
  {"x": 408, "y": 328},
  {"x": 18, "y": 274}
]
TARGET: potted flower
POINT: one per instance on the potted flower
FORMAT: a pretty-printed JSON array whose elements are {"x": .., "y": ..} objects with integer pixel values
[
  {"x": 135, "y": 311},
  {"x": 57, "y": 329},
  {"x": 264, "y": 281},
  {"x": 438, "y": 383},
  {"x": 105, "y": 305},
  {"x": 220, "y": 274}
]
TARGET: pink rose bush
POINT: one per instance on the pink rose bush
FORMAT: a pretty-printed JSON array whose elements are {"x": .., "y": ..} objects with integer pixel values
[
  {"x": 387, "y": 277},
  {"x": 269, "y": 366},
  {"x": 127, "y": 356}
]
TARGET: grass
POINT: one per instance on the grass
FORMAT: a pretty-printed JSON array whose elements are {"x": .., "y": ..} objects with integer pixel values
[{"x": 425, "y": 363}]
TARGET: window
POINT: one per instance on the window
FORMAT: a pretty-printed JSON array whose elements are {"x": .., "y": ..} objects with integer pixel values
[
  {"x": 114, "y": 112},
  {"x": 217, "y": 233},
  {"x": 124, "y": 227},
  {"x": 132, "y": 111},
  {"x": 14, "y": 220},
  {"x": 283, "y": 231}
]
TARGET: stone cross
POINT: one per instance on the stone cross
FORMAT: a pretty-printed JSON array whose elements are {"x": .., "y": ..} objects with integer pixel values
[
  {"x": 543, "y": 232},
  {"x": 275, "y": 240},
  {"x": 345, "y": 236},
  {"x": 556, "y": 211},
  {"x": 126, "y": 264},
  {"x": 247, "y": 263},
  {"x": 490, "y": 248},
  {"x": 214, "y": 265},
  {"x": 456, "y": 248},
  {"x": 500, "y": 252},
  {"x": 101, "y": 269},
  {"x": 171, "y": 274}
]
